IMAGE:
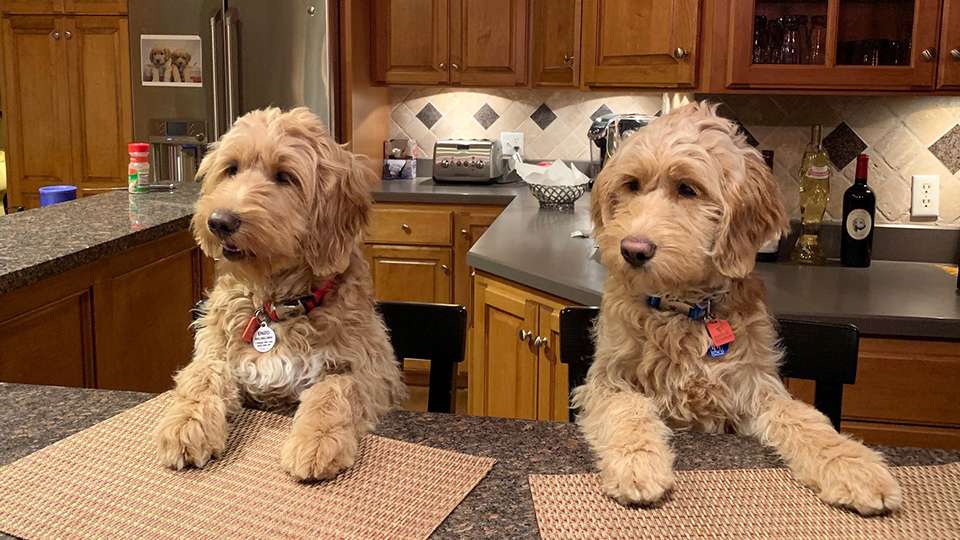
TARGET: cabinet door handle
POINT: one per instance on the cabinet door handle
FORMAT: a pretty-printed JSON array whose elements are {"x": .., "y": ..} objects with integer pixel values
[
  {"x": 445, "y": 268},
  {"x": 539, "y": 342},
  {"x": 442, "y": 66},
  {"x": 67, "y": 34},
  {"x": 955, "y": 54},
  {"x": 679, "y": 53},
  {"x": 464, "y": 233},
  {"x": 405, "y": 227},
  {"x": 524, "y": 335},
  {"x": 455, "y": 67},
  {"x": 568, "y": 59},
  {"x": 928, "y": 54},
  {"x": 56, "y": 35}
]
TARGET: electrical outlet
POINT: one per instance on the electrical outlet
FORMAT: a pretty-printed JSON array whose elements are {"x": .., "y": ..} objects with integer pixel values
[
  {"x": 926, "y": 195},
  {"x": 512, "y": 143}
]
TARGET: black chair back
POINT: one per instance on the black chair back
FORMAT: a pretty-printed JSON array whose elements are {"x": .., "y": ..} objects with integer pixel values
[
  {"x": 821, "y": 352},
  {"x": 434, "y": 332}
]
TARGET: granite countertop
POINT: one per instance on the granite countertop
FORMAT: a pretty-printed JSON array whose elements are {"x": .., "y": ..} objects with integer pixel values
[
  {"x": 500, "y": 506},
  {"x": 47, "y": 241}
]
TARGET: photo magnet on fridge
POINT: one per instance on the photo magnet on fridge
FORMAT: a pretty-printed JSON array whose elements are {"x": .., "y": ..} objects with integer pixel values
[{"x": 171, "y": 60}]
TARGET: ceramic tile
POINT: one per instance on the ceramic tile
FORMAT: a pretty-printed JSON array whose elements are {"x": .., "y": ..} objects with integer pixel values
[
  {"x": 950, "y": 200},
  {"x": 541, "y": 148},
  {"x": 751, "y": 140},
  {"x": 558, "y": 131},
  {"x": 947, "y": 149},
  {"x": 458, "y": 116},
  {"x": 839, "y": 182},
  {"x": 898, "y": 147},
  {"x": 486, "y": 116},
  {"x": 543, "y": 116},
  {"x": 429, "y": 115},
  {"x": 871, "y": 121},
  {"x": 426, "y": 143},
  {"x": 649, "y": 103},
  {"x": 401, "y": 115},
  {"x": 443, "y": 129},
  {"x": 930, "y": 123},
  {"x": 473, "y": 100},
  {"x": 843, "y": 145},
  {"x": 601, "y": 111},
  {"x": 893, "y": 200}
]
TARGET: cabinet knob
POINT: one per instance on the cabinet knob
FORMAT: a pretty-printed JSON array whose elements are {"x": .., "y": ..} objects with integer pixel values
[
  {"x": 405, "y": 227},
  {"x": 539, "y": 342},
  {"x": 568, "y": 59},
  {"x": 442, "y": 66},
  {"x": 311, "y": 11},
  {"x": 464, "y": 233},
  {"x": 67, "y": 34},
  {"x": 679, "y": 53},
  {"x": 56, "y": 35},
  {"x": 524, "y": 335},
  {"x": 455, "y": 67},
  {"x": 445, "y": 268},
  {"x": 928, "y": 54},
  {"x": 955, "y": 54}
]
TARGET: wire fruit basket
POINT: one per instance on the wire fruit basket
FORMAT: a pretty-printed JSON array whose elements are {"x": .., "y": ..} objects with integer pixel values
[{"x": 557, "y": 197}]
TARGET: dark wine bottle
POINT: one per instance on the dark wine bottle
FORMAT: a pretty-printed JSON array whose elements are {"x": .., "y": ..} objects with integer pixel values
[
  {"x": 859, "y": 207},
  {"x": 770, "y": 248}
]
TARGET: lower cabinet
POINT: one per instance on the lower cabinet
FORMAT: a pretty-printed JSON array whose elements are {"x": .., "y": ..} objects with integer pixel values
[
  {"x": 411, "y": 273},
  {"x": 515, "y": 369},
  {"x": 120, "y": 323}
]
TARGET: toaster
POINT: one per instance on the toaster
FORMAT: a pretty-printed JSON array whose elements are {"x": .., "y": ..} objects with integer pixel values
[{"x": 461, "y": 160}]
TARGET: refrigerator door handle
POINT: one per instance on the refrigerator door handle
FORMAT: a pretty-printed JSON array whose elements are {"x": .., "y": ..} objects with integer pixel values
[
  {"x": 232, "y": 18},
  {"x": 214, "y": 22}
]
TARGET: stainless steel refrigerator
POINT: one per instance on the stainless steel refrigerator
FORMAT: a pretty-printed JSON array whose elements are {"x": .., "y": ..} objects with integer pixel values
[{"x": 197, "y": 65}]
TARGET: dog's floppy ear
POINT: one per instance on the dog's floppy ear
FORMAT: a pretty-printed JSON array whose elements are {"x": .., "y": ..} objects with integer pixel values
[{"x": 752, "y": 213}]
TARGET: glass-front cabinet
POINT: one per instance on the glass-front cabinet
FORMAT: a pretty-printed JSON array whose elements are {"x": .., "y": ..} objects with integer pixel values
[{"x": 835, "y": 44}]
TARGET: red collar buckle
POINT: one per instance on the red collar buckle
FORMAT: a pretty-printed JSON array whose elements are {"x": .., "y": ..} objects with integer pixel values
[{"x": 296, "y": 307}]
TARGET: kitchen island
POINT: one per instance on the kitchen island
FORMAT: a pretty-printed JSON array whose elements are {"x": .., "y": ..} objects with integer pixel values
[{"x": 499, "y": 507}]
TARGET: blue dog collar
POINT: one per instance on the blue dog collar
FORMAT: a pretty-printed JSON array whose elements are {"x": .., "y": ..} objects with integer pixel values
[{"x": 695, "y": 312}]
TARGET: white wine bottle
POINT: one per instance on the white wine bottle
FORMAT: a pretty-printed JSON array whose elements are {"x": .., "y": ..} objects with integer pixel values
[{"x": 814, "y": 176}]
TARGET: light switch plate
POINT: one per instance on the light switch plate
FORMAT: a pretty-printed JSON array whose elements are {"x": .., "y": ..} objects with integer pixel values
[
  {"x": 512, "y": 143},
  {"x": 926, "y": 196}
]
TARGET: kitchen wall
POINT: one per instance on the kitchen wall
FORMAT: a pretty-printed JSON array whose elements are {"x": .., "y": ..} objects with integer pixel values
[{"x": 903, "y": 135}]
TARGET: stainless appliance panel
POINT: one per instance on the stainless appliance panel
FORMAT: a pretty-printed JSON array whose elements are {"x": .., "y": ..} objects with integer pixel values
[
  {"x": 173, "y": 17},
  {"x": 279, "y": 54}
]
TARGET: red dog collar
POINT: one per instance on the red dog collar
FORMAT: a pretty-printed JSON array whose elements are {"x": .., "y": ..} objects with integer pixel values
[{"x": 297, "y": 306}]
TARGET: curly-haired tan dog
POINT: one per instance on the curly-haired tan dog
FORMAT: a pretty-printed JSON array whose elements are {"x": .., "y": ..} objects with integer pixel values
[
  {"x": 284, "y": 207},
  {"x": 678, "y": 216}
]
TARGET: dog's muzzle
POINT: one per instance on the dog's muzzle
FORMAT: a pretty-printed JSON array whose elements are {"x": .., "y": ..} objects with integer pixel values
[
  {"x": 223, "y": 223},
  {"x": 637, "y": 250}
]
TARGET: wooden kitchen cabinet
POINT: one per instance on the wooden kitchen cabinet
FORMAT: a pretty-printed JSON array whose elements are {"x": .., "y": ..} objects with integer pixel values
[
  {"x": 514, "y": 369},
  {"x": 640, "y": 43},
  {"x": 119, "y": 323},
  {"x": 71, "y": 7},
  {"x": 460, "y": 42},
  {"x": 948, "y": 74},
  {"x": 555, "y": 34},
  {"x": 67, "y": 108},
  {"x": 411, "y": 273}
]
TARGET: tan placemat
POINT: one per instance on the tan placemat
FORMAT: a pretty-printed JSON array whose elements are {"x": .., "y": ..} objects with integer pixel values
[
  {"x": 106, "y": 482},
  {"x": 759, "y": 504}
]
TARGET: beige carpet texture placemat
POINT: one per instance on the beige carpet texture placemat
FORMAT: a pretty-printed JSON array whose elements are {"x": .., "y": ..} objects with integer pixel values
[
  {"x": 763, "y": 504},
  {"x": 106, "y": 483}
]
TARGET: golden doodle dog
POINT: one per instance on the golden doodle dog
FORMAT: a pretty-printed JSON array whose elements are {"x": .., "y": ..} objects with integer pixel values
[
  {"x": 678, "y": 214},
  {"x": 291, "y": 319},
  {"x": 180, "y": 59},
  {"x": 160, "y": 64}
]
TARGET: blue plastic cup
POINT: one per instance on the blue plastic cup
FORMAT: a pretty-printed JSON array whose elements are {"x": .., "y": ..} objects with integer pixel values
[{"x": 56, "y": 194}]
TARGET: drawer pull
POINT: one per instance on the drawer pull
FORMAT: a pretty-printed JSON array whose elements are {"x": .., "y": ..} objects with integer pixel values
[
  {"x": 524, "y": 335},
  {"x": 955, "y": 54},
  {"x": 928, "y": 54},
  {"x": 539, "y": 342},
  {"x": 445, "y": 268},
  {"x": 405, "y": 227},
  {"x": 464, "y": 233}
]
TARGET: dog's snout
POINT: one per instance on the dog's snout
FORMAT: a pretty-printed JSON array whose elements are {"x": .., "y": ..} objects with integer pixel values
[
  {"x": 637, "y": 250},
  {"x": 223, "y": 223}
]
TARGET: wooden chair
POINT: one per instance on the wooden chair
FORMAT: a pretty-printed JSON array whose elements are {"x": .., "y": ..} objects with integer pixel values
[
  {"x": 820, "y": 352},
  {"x": 434, "y": 332}
]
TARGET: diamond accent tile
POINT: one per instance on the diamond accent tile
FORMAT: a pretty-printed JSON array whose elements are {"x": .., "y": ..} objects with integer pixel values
[
  {"x": 751, "y": 140},
  {"x": 429, "y": 115},
  {"x": 543, "y": 116},
  {"x": 843, "y": 145},
  {"x": 486, "y": 116},
  {"x": 602, "y": 110},
  {"x": 947, "y": 149}
]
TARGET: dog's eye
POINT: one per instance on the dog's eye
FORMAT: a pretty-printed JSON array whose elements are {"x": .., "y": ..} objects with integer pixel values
[
  {"x": 284, "y": 178},
  {"x": 686, "y": 191},
  {"x": 633, "y": 185},
  {"x": 232, "y": 170}
]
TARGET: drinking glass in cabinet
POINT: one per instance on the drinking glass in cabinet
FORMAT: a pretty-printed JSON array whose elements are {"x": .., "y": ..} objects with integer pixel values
[
  {"x": 875, "y": 33},
  {"x": 787, "y": 32},
  {"x": 818, "y": 39}
]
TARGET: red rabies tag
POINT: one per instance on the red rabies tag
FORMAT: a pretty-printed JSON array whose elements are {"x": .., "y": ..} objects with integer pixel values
[
  {"x": 720, "y": 332},
  {"x": 252, "y": 327}
]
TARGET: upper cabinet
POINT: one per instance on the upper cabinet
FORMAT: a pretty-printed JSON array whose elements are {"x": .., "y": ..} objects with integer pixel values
[
  {"x": 465, "y": 42},
  {"x": 69, "y": 7},
  {"x": 948, "y": 75},
  {"x": 641, "y": 43},
  {"x": 555, "y": 31},
  {"x": 835, "y": 44}
]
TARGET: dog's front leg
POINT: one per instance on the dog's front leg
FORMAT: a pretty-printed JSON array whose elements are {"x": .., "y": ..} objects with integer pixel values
[
  {"x": 194, "y": 429},
  {"x": 842, "y": 471},
  {"x": 326, "y": 431},
  {"x": 636, "y": 465}
]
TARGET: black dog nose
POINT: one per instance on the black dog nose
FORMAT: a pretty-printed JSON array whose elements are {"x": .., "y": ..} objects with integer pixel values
[
  {"x": 223, "y": 223},
  {"x": 637, "y": 250}
]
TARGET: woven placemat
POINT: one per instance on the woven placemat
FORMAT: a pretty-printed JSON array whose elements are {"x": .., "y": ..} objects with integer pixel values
[
  {"x": 106, "y": 482},
  {"x": 763, "y": 504}
]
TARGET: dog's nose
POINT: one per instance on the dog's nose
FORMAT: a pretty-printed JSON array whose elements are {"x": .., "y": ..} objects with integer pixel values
[
  {"x": 223, "y": 223},
  {"x": 637, "y": 250}
]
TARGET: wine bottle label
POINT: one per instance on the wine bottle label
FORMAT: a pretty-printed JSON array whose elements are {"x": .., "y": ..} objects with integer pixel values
[
  {"x": 859, "y": 224},
  {"x": 818, "y": 173}
]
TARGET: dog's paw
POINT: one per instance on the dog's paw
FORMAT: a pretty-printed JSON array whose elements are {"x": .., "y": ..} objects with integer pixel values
[
  {"x": 184, "y": 438},
  {"x": 318, "y": 456},
  {"x": 858, "y": 484},
  {"x": 637, "y": 477}
]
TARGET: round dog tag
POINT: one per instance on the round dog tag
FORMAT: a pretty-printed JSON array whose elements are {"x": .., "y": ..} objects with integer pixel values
[{"x": 264, "y": 338}]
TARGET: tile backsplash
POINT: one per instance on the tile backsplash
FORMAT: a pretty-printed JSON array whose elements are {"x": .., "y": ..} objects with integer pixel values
[{"x": 903, "y": 135}]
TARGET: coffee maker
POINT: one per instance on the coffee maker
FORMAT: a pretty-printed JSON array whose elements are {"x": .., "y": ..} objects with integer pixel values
[
  {"x": 607, "y": 133},
  {"x": 176, "y": 148}
]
